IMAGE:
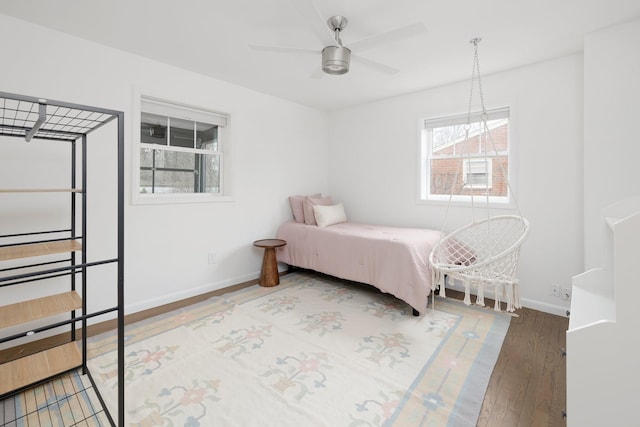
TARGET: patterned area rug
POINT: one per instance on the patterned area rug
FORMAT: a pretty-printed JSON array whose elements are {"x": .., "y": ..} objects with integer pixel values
[{"x": 313, "y": 351}]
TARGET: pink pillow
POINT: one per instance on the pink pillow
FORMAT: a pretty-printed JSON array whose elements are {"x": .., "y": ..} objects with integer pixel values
[
  {"x": 296, "y": 206},
  {"x": 308, "y": 204}
]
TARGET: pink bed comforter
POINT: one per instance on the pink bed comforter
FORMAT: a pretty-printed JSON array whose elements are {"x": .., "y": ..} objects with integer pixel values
[{"x": 393, "y": 259}]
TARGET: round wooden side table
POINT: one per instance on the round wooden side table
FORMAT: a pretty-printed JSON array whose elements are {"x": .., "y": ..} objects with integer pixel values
[{"x": 269, "y": 275}]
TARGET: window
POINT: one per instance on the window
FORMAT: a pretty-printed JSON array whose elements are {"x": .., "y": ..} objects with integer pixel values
[
  {"x": 476, "y": 173},
  {"x": 459, "y": 166},
  {"x": 180, "y": 150}
]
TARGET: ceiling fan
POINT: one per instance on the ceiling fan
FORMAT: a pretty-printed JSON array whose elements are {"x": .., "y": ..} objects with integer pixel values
[{"x": 336, "y": 57}]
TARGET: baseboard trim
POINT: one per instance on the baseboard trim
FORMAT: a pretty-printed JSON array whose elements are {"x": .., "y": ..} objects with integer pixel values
[
  {"x": 206, "y": 289},
  {"x": 558, "y": 310},
  {"x": 144, "y": 311}
]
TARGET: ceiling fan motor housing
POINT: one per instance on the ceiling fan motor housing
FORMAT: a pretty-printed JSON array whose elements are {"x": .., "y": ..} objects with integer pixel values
[{"x": 336, "y": 59}]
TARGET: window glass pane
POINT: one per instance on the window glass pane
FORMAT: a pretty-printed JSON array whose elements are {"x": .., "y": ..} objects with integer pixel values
[
  {"x": 153, "y": 129},
  {"x": 174, "y": 160},
  {"x": 146, "y": 157},
  {"x": 167, "y": 181},
  {"x": 456, "y": 162},
  {"x": 445, "y": 176},
  {"x": 174, "y": 172},
  {"x": 499, "y": 176},
  {"x": 452, "y": 139},
  {"x": 448, "y": 139},
  {"x": 211, "y": 173},
  {"x": 146, "y": 181},
  {"x": 166, "y": 171},
  {"x": 181, "y": 132},
  {"x": 206, "y": 136}
]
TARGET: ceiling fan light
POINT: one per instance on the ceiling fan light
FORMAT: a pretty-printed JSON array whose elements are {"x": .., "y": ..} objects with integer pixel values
[{"x": 335, "y": 59}]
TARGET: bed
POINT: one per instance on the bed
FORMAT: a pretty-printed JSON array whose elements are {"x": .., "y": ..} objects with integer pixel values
[{"x": 393, "y": 259}]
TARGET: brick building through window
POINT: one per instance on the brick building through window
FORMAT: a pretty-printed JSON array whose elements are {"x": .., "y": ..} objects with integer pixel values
[{"x": 461, "y": 165}]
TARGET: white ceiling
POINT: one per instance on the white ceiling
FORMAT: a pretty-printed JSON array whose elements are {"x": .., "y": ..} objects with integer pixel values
[{"x": 212, "y": 37}]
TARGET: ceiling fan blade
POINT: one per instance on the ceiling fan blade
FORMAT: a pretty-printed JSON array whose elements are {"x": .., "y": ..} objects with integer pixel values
[
  {"x": 315, "y": 20},
  {"x": 389, "y": 36},
  {"x": 282, "y": 49},
  {"x": 375, "y": 65}
]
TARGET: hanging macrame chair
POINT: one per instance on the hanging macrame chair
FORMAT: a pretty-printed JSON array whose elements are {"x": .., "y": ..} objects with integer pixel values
[{"x": 483, "y": 254}]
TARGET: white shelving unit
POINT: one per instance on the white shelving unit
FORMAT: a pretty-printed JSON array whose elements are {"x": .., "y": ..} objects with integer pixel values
[{"x": 602, "y": 374}]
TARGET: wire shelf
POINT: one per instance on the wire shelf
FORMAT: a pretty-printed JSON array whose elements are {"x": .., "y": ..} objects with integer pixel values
[{"x": 29, "y": 117}]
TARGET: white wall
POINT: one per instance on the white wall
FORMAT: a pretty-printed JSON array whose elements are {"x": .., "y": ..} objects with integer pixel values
[
  {"x": 364, "y": 156},
  {"x": 611, "y": 133},
  {"x": 373, "y": 165},
  {"x": 278, "y": 148}
]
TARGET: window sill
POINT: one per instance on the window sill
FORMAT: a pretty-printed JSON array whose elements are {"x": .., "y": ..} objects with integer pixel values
[
  {"x": 479, "y": 202},
  {"x": 166, "y": 199}
]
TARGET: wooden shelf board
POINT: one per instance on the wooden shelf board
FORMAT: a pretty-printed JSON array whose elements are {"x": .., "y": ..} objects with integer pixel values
[
  {"x": 38, "y": 249},
  {"x": 40, "y": 190},
  {"x": 39, "y": 366},
  {"x": 25, "y": 311}
]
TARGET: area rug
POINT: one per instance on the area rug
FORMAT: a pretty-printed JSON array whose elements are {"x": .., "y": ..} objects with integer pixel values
[{"x": 313, "y": 351}]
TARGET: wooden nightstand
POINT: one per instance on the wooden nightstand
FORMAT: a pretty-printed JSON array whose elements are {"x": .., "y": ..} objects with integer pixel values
[{"x": 269, "y": 275}]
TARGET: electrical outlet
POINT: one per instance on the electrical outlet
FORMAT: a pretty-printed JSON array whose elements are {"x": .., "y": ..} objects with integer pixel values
[
  {"x": 565, "y": 294},
  {"x": 213, "y": 258},
  {"x": 554, "y": 290}
]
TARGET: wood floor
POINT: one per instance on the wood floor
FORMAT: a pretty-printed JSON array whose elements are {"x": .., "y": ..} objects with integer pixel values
[{"x": 528, "y": 383}]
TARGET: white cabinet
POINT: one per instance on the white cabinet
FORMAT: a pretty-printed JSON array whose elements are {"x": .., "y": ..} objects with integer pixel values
[{"x": 602, "y": 339}]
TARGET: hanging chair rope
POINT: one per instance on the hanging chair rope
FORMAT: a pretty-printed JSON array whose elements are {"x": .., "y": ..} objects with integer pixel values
[{"x": 484, "y": 253}]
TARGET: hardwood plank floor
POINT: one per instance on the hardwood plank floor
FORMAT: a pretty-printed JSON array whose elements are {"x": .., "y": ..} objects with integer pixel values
[{"x": 528, "y": 383}]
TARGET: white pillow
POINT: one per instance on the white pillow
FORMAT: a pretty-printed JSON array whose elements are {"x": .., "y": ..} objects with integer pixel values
[{"x": 329, "y": 215}]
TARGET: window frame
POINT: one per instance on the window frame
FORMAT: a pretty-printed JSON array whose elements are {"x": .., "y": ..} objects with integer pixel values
[
  {"x": 190, "y": 112},
  {"x": 424, "y": 195}
]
